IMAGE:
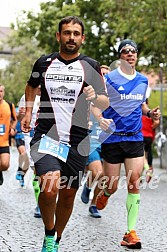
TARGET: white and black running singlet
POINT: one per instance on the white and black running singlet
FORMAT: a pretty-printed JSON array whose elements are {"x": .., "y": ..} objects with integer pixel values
[{"x": 63, "y": 109}]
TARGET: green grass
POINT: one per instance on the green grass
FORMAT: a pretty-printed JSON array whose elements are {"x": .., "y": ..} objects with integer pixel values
[{"x": 155, "y": 100}]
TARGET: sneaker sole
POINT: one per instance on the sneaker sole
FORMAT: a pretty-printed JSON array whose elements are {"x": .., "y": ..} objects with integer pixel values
[
  {"x": 131, "y": 246},
  {"x": 37, "y": 216},
  {"x": 95, "y": 216}
]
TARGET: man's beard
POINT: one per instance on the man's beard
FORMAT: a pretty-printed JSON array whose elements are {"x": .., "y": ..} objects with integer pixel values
[{"x": 68, "y": 50}]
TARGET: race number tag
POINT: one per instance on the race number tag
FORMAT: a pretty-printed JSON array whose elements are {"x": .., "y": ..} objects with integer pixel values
[
  {"x": 2, "y": 129},
  {"x": 52, "y": 147}
]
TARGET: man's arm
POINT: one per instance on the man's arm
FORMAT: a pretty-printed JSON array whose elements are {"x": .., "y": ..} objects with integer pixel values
[
  {"x": 30, "y": 94},
  {"x": 13, "y": 121},
  {"x": 99, "y": 100},
  {"x": 104, "y": 123},
  {"x": 154, "y": 113},
  {"x": 155, "y": 124}
]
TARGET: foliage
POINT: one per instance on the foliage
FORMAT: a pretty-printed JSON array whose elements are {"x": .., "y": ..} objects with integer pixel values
[
  {"x": 106, "y": 23},
  {"x": 18, "y": 71},
  {"x": 156, "y": 100}
]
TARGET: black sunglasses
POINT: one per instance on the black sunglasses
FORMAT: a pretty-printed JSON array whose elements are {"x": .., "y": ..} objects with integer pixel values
[{"x": 128, "y": 50}]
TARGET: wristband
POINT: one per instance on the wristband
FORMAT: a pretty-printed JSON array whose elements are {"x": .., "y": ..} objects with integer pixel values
[{"x": 96, "y": 96}]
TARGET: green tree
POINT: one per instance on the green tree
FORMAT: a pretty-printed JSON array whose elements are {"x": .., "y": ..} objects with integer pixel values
[
  {"x": 15, "y": 76},
  {"x": 106, "y": 24}
]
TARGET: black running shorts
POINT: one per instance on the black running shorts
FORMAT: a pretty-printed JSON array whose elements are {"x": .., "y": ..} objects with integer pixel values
[
  {"x": 115, "y": 153},
  {"x": 71, "y": 171},
  {"x": 19, "y": 142},
  {"x": 4, "y": 149}
]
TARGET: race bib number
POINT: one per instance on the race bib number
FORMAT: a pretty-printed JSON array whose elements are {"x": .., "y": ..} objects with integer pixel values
[
  {"x": 52, "y": 147},
  {"x": 2, "y": 129}
]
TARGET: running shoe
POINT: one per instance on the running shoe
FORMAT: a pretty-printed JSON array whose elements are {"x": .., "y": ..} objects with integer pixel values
[
  {"x": 1, "y": 178},
  {"x": 20, "y": 178},
  {"x": 85, "y": 194},
  {"x": 22, "y": 181},
  {"x": 149, "y": 174},
  {"x": 37, "y": 213},
  {"x": 49, "y": 244},
  {"x": 101, "y": 200},
  {"x": 94, "y": 212},
  {"x": 131, "y": 240}
]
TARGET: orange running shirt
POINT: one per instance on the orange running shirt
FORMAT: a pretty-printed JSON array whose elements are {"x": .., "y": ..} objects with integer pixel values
[{"x": 5, "y": 117}]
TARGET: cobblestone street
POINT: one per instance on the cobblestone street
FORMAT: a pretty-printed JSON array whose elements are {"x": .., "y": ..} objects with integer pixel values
[{"x": 21, "y": 232}]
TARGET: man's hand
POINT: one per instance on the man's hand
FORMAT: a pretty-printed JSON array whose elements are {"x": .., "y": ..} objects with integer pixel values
[
  {"x": 105, "y": 123},
  {"x": 155, "y": 113},
  {"x": 13, "y": 132},
  {"x": 89, "y": 93},
  {"x": 25, "y": 123}
]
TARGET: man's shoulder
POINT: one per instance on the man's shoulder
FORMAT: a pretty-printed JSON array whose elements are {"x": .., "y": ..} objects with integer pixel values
[
  {"x": 142, "y": 76},
  {"x": 112, "y": 76},
  {"x": 6, "y": 106},
  {"x": 90, "y": 60},
  {"x": 48, "y": 57},
  {"x": 12, "y": 108},
  {"x": 9, "y": 103},
  {"x": 113, "y": 73}
]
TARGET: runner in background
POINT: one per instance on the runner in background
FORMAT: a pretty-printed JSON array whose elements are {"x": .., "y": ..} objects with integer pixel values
[
  {"x": 27, "y": 138},
  {"x": 105, "y": 69},
  {"x": 23, "y": 160},
  {"x": 8, "y": 121},
  {"x": 94, "y": 168}
]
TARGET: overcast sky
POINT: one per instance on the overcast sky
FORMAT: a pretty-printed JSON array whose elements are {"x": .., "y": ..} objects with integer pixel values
[{"x": 10, "y": 8}]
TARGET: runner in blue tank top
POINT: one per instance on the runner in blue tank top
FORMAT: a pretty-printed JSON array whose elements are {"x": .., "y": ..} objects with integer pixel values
[{"x": 122, "y": 142}]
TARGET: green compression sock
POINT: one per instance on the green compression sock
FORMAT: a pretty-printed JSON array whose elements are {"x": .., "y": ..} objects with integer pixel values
[
  {"x": 36, "y": 187},
  {"x": 106, "y": 193},
  {"x": 146, "y": 167},
  {"x": 132, "y": 206}
]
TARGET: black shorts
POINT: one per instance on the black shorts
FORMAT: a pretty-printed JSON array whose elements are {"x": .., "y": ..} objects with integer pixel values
[
  {"x": 147, "y": 143},
  {"x": 115, "y": 153},
  {"x": 71, "y": 171},
  {"x": 4, "y": 149},
  {"x": 19, "y": 142}
]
